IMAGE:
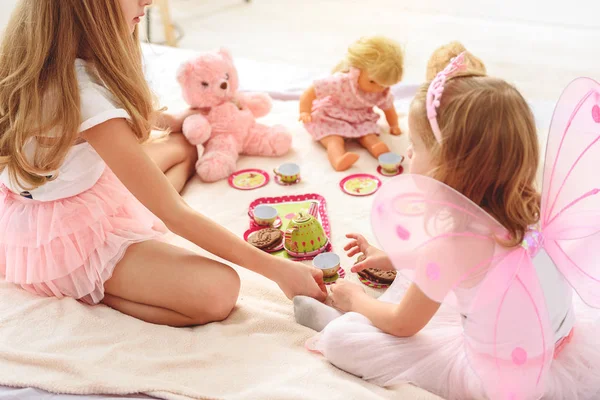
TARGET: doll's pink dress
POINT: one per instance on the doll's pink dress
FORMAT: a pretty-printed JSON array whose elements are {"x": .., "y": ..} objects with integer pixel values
[
  {"x": 65, "y": 238},
  {"x": 343, "y": 109}
]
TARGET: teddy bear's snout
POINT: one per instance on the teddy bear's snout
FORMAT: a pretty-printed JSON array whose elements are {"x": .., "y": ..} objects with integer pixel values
[{"x": 224, "y": 85}]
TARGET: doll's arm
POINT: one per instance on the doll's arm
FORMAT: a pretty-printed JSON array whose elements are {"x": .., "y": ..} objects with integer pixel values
[
  {"x": 259, "y": 104},
  {"x": 392, "y": 118},
  {"x": 401, "y": 320},
  {"x": 306, "y": 102}
]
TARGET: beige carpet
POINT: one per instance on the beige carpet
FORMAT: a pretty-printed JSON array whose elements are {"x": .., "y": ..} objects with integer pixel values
[{"x": 257, "y": 353}]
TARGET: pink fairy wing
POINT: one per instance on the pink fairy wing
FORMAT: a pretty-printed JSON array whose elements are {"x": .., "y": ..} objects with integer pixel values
[
  {"x": 508, "y": 338},
  {"x": 435, "y": 235},
  {"x": 570, "y": 219},
  {"x": 447, "y": 245}
]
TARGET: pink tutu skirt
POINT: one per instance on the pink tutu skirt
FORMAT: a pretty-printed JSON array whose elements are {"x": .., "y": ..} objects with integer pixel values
[
  {"x": 70, "y": 247},
  {"x": 435, "y": 359}
]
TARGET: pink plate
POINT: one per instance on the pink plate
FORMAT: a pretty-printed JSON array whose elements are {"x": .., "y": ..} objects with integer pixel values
[
  {"x": 248, "y": 179},
  {"x": 360, "y": 184},
  {"x": 372, "y": 284},
  {"x": 252, "y": 230},
  {"x": 382, "y": 172}
]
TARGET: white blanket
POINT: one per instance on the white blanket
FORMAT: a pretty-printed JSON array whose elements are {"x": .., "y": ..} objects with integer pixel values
[{"x": 257, "y": 353}]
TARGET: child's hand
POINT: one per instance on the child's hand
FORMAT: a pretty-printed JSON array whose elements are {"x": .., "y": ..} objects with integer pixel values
[
  {"x": 300, "y": 279},
  {"x": 375, "y": 258},
  {"x": 395, "y": 130},
  {"x": 344, "y": 295},
  {"x": 305, "y": 117}
]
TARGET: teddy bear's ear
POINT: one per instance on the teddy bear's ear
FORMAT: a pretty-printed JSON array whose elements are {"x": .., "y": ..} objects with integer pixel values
[
  {"x": 184, "y": 72},
  {"x": 225, "y": 53}
]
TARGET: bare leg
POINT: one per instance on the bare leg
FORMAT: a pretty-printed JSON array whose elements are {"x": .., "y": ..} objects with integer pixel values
[
  {"x": 374, "y": 145},
  {"x": 339, "y": 159},
  {"x": 167, "y": 285},
  {"x": 176, "y": 157}
]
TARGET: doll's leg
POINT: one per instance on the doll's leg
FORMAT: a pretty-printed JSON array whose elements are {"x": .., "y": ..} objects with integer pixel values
[
  {"x": 267, "y": 141},
  {"x": 339, "y": 158},
  {"x": 219, "y": 159},
  {"x": 374, "y": 145}
]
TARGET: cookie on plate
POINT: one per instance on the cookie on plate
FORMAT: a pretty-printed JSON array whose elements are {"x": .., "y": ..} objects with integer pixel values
[
  {"x": 376, "y": 275},
  {"x": 266, "y": 239}
]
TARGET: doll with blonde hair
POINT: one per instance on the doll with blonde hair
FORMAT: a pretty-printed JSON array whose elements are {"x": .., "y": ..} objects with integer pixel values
[
  {"x": 442, "y": 56},
  {"x": 340, "y": 107}
]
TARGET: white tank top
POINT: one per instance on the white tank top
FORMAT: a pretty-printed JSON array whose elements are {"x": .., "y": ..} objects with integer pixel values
[{"x": 83, "y": 166}]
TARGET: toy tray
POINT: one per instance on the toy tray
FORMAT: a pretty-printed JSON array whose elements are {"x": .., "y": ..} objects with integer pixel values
[{"x": 288, "y": 207}]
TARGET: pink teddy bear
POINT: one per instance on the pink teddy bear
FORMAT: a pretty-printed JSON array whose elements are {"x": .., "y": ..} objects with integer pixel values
[{"x": 226, "y": 125}]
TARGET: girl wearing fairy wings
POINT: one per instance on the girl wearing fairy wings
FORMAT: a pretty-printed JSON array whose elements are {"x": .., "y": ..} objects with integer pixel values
[{"x": 489, "y": 311}]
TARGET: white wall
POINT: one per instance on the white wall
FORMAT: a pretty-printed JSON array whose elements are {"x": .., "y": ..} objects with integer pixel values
[{"x": 6, "y": 8}]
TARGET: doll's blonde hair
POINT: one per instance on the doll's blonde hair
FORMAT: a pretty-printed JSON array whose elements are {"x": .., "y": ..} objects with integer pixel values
[
  {"x": 442, "y": 56},
  {"x": 39, "y": 93},
  {"x": 380, "y": 57},
  {"x": 490, "y": 150}
]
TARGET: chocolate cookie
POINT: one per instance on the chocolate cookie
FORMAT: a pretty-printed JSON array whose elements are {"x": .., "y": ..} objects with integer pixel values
[
  {"x": 266, "y": 239},
  {"x": 376, "y": 275}
]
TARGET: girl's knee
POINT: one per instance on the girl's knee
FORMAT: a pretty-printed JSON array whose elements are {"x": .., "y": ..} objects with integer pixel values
[{"x": 219, "y": 302}]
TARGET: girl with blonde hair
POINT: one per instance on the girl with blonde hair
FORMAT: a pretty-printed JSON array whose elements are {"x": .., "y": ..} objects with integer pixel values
[
  {"x": 471, "y": 230},
  {"x": 341, "y": 106},
  {"x": 82, "y": 204}
]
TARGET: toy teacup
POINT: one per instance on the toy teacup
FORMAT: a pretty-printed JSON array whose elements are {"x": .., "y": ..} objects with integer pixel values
[
  {"x": 288, "y": 172},
  {"x": 390, "y": 162},
  {"x": 264, "y": 215},
  {"x": 329, "y": 263}
]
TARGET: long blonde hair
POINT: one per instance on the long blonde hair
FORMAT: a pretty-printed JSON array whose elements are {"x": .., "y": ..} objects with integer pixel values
[
  {"x": 489, "y": 150},
  {"x": 380, "y": 57},
  {"x": 39, "y": 93}
]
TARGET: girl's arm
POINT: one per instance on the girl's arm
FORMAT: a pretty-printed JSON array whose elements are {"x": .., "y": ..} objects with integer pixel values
[
  {"x": 116, "y": 143},
  {"x": 402, "y": 320}
]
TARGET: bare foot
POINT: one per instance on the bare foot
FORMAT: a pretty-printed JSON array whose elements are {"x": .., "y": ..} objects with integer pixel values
[{"x": 345, "y": 161}]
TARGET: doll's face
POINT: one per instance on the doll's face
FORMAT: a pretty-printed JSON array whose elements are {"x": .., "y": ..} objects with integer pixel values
[
  {"x": 366, "y": 84},
  {"x": 418, "y": 154}
]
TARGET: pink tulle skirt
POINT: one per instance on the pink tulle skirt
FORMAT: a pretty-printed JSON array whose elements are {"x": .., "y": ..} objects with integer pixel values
[
  {"x": 70, "y": 247},
  {"x": 435, "y": 359}
]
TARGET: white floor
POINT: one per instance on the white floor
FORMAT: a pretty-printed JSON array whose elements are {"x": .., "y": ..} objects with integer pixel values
[{"x": 538, "y": 45}]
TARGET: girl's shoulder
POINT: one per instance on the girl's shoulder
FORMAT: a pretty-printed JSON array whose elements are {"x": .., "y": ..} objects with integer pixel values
[{"x": 97, "y": 103}]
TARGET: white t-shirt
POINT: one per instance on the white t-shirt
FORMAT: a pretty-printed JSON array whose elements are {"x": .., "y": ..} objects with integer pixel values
[{"x": 83, "y": 166}]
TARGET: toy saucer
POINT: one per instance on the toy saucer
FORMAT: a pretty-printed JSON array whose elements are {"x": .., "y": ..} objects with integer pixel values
[
  {"x": 339, "y": 275},
  {"x": 278, "y": 181},
  {"x": 248, "y": 179},
  {"x": 308, "y": 254},
  {"x": 384, "y": 173},
  {"x": 273, "y": 250},
  {"x": 360, "y": 184}
]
